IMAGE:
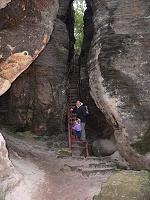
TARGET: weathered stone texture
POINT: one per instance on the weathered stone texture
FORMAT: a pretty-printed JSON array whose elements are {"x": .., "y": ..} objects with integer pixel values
[
  {"x": 119, "y": 71},
  {"x": 51, "y": 75},
  {"x": 8, "y": 175},
  {"x": 126, "y": 185},
  {"x": 25, "y": 28},
  {"x": 38, "y": 98},
  {"x": 104, "y": 147},
  {"x": 4, "y": 3},
  {"x": 101, "y": 124}
]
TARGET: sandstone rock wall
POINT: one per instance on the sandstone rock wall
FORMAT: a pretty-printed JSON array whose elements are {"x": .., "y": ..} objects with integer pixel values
[
  {"x": 101, "y": 124},
  {"x": 4, "y": 3},
  {"x": 37, "y": 99},
  {"x": 8, "y": 175},
  {"x": 25, "y": 28},
  {"x": 119, "y": 72}
]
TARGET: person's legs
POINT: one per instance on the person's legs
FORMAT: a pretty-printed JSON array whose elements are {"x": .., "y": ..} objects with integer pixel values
[
  {"x": 83, "y": 136},
  {"x": 78, "y": 135}
]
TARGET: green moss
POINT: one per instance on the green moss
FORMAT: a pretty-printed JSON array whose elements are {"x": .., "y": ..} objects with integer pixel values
[
  {"x": 127, "y": 185},
  {"x": 2, "y": 194},
  {"x": 143, "y": 146},
  {"x": 119, "y": 167},
  {"x": 65, "y": 152}
]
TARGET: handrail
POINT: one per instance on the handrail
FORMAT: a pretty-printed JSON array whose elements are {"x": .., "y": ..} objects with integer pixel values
[
  {"x": 70, "y": 120},
  {"x": 69, "y": 129},
  {"x": 70, "y": 115},
  {"x": 75, "y": 71}
]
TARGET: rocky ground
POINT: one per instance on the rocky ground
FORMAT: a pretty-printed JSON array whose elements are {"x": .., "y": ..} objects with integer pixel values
[{"x": 49, "y": 176}]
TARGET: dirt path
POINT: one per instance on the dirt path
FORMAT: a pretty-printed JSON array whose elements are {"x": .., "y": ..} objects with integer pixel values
[{"x": 46, "y": 177}]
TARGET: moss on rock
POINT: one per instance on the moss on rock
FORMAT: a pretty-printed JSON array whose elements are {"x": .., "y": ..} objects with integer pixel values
[
  {"x": 126, "y": 185},
  {"x": 65, "y": 152},
  {"x": 143, "y": 146},
  {"x": 2, "y": 193}
]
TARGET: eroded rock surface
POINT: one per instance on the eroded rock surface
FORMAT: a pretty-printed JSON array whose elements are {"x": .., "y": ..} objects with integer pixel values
[
  {"x": 25, "y": 28},
  {"x": 126, "y": 185},
  {"x": 104, "y": 147},
  {"x": 118, "y": 67},
  {"x": 4, "y": 3},
  {"x": 9, "y": 177},
  {"x": 38, "y": 98}
]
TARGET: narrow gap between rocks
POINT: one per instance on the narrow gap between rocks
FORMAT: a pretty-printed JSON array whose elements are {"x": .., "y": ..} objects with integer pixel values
[{"x": 21, "y": 111}]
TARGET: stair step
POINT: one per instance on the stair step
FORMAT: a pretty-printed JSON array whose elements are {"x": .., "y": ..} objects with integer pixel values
[
  {"x": 88, "y": 172},
  {"x": 73, "y": 89},
  {"x": 101, "y": 164},
  {"x": 73, "y": 93},
  {"x": 73, "y": 84},
  {"x": 74, "y": 80},
  {"x": 82, "y": 141},
  {"x": 74, "y": 100},
  {"x": 78, "y": 147},
  {"x": 73, "y": 96}
]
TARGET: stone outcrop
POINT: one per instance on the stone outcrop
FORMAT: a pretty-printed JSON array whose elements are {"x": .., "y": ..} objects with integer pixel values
[
  {"x": 118, "y": 67},
  {"x": 9, "y": 177},
  {"x": 25, "y": 28},
  {"x": 104, "y": 147},
  {"x": 38, "y": 98},
  {"x": 126, "y": 185},
  {"x": 99, "y": 125},
  {"x": 4, "y": 3}
]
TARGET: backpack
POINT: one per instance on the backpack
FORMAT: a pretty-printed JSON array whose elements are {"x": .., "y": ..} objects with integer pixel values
[{"x": 86, "y": 109}]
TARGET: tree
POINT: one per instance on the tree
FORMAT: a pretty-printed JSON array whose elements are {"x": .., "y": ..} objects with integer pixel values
[{"x": 79, "y": 7}]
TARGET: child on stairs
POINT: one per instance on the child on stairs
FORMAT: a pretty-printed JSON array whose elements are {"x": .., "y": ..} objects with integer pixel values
[{"x": 77, "y": 129}]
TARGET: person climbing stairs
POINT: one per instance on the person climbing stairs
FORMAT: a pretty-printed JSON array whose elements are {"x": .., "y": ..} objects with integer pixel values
[{"x": 76, "y": 146}]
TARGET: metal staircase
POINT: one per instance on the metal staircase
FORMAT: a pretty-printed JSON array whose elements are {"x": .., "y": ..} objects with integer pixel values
[{"x": 77, "y": 147}]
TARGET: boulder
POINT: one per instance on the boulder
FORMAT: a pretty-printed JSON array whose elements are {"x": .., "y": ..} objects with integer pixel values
[
  {"x": 104, "y": 147},
  {"x": 126, "y": 185}
]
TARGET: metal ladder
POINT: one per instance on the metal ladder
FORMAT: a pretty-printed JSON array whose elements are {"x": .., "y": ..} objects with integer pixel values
[{"x": 73, "y": 96}]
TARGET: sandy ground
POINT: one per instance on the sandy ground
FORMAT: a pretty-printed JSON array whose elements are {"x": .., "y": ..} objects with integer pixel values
[{"x": 46, "y": 177}]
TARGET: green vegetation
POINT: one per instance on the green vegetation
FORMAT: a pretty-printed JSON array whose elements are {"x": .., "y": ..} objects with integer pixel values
[
  {"x": 65, "y": 152},
  {"x": 79, "y": 7},
  {"x": 143, "y": 146},
  {"x": 119, "y": 167}
]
